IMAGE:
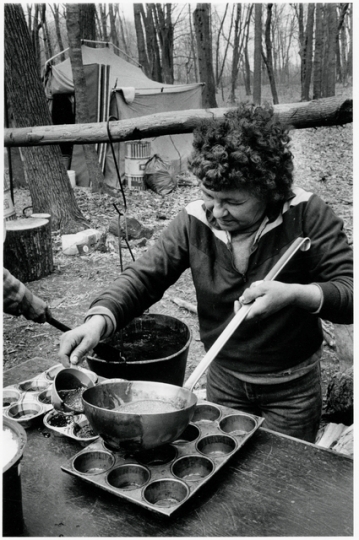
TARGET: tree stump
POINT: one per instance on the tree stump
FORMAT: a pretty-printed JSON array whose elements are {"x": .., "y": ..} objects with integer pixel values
[{"x": 28, "y": 248}]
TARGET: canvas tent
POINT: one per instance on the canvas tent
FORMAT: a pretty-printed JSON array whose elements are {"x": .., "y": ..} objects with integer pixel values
[{"x": 119, "y": 89}]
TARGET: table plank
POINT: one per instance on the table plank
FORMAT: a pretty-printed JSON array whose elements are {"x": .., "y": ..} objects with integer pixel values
[{"x": 273, "y": 486}]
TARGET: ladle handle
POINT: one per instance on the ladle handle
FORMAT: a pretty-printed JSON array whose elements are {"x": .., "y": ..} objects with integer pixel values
[{"x": 300, "y": 243}]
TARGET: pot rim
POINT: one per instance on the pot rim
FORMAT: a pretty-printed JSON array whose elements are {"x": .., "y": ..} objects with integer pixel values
[
  {"x": 21, "y": 438},
  {"x": 152, "y": 360}
]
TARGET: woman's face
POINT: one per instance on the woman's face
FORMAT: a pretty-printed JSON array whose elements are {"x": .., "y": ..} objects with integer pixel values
[{"x": 235, "y": 210}]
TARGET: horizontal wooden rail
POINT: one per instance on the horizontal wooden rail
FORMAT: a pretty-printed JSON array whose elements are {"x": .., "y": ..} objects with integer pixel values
[{"x": 318, "y": 113}]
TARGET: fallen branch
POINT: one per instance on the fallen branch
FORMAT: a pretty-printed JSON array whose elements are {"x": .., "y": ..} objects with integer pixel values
[
  {"x": 185, "y": 304},
  {"x": 318, "y": 113}
]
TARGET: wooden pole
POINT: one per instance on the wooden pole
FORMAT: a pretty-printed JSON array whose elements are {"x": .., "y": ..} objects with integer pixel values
[{"x": 319, "y": 113}]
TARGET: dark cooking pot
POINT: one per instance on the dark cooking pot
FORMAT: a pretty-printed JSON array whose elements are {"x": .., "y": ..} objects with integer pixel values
[{"x": 165, "y": 363}]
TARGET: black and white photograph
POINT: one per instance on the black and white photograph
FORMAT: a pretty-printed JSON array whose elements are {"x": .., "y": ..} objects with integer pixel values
[{"x": 177, "y": 335}]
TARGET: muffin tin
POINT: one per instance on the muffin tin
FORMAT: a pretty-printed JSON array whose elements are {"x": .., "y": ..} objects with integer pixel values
[
  {"x": 28, "y": 401},
  {"x": 164, "y": 478},
  {"x": 73, "y": 423}
]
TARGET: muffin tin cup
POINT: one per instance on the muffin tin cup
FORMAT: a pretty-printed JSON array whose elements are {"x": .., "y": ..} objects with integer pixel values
[
  {"x": 164, "y": 478},
  {"x": 69, "y": 425},
  {"x": 27, "y": 413},
  {"x": 33, "y": 397}
]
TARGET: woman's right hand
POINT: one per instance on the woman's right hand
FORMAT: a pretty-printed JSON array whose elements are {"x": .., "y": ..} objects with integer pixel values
[{"x": 76, "y": 343}]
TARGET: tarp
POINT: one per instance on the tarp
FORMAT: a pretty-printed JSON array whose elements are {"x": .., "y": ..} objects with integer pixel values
[{"x": 117, "y": 88}]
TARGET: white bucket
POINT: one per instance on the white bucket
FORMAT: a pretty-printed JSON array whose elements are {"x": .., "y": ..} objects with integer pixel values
[{"x": 72, "y": 178}]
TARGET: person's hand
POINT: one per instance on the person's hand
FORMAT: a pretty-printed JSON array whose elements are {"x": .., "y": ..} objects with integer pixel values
[
  {"x": 39, "y": 311},
  {"x": 76, "y": 343},
  {"x": 266, "y": 297}
]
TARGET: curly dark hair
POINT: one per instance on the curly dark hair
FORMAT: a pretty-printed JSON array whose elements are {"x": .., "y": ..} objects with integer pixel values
[{"x": 247, "y": 149}]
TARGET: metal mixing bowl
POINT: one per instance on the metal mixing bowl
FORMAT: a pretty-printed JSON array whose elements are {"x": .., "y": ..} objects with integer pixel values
[{"x": 133, "y": 431}]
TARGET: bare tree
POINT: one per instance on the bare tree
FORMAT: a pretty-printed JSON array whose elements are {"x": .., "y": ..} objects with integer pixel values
[
  {"x": 113, "y": 31},
  {"x": 103, "y": 20},
  {"x": 236, "y": 51},
  {"x": 193, "y": 48},
  {"x": 87, "y": 22},
  {"x": 202, "y": 25},
  {"x": 82, "y": 106},
  {"x": 330, "y": 57},
  {"x": 318, "y": 52},
  {"x": 48, "y": 183},
  {"x": 164, "y": 30},
  {"x": 141, "y": 42},
  {"x": 56, "y": 14},
  {"x": 34, "y": 26},
  {"x": 307, "y": 58},
  {"x": 257, "y": 71},
  {"x": 268, "y": 58}
]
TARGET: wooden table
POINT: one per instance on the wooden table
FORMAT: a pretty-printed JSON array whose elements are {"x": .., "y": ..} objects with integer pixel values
[{"x": 273, "y": 486}]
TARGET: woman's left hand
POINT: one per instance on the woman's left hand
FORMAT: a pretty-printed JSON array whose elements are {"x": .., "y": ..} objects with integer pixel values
[{"x": 266, "y": 297}]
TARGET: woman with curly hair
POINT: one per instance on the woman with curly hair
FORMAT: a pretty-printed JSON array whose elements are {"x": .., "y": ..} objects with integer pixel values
[{"x": 248, "y": 215}]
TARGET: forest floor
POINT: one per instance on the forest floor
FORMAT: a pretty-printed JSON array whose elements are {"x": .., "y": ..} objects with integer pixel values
[{"x": 323, "y": 164}]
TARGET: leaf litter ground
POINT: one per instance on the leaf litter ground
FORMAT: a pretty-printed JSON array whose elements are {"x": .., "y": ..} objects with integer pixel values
[{"x": 323, "y": 164}]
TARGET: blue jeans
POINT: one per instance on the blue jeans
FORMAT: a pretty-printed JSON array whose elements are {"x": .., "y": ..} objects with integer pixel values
[{"x": 293, "y": 408}]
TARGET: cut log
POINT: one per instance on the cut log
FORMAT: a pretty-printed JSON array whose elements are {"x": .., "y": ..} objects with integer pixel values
[
  {"x": 28, "y": 248},
  {"x": 344, "y": 344},
  {"x": 337, "y": 437},
  {"x": 340, "y": 398},
  {"x": 318, "y": 113}
]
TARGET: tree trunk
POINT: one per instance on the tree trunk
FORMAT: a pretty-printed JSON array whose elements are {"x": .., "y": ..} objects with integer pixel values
[
  {"x": 48, "y": 182},
  {"x": 113, "y": 31},
  {"x": 46, "y": 36},
  {"x": 123, "y": 33},
  {"x": 343, "y": 52},
  {"x": 56, "y": 14},
  {"x": 257, "y": 71},
  {"x": 153, "y": 50},
  {"x": 303, "y": 115},
  {"x": 236, "y": 52},
  {"x": 193, "y": 48},
  {"x": 329, "y": 89},
  {"x": 350, "y": 52},
  {"x": 300, "y": 15},
  {"x": 103, "y": 17},
  {"x": 308, "y": 52},
  {"x": 164, "y": 28},
  {"x": 141, "y": 44},
  {"x": 87, "y": 22},
  {"x": 35, "y": 39},
  {"x": 28, "y": 248},
  {"x": 201, "y": 21},
  {"x": 269, "y": 58},
  {"x": 82, "y": 112},
  {"x": 318, "y": 54},
  {"x": 247, "y": 69}
]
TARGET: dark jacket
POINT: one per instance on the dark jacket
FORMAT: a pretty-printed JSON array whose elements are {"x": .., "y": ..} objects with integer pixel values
[{"x": 281, "y": 340}]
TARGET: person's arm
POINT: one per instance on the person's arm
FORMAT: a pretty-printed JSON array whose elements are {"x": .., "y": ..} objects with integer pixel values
[
  {"x": 271, "y": 296},
  {"x": 329, "y": 291},
  {"x": 140, "y": 285},
  {"x": 19, "y": 300}
]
